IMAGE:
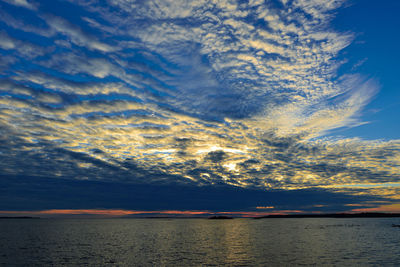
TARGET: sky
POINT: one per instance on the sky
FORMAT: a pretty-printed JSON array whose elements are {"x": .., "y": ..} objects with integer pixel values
[{"x": 127, "y": 107}]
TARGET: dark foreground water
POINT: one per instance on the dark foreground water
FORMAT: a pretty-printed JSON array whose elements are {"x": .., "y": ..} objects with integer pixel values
[{"x": 194, "y": 242}]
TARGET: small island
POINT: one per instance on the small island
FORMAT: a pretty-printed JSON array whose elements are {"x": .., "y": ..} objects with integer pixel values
[{"x": 220, "y": 217}]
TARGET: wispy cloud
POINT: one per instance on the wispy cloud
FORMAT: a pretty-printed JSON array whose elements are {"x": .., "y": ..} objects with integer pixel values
[
  {"x": 24, "y": 49},
  {"x": 22, "y": 3},
  {"x": 76, "y": 34}
]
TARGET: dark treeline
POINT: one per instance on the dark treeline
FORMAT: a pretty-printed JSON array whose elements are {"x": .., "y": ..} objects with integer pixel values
[{"x": 335, "y": 215}]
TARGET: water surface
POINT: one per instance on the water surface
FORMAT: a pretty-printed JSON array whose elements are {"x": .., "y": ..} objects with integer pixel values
[{"x": 194, "y": 242}]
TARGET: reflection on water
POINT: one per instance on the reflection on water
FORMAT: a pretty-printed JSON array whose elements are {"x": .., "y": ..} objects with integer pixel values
[{"x": 178, "y": 242}]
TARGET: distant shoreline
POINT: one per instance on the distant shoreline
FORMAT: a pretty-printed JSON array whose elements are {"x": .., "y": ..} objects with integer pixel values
[
  {"x": 213, "y": 216},
  {"x": 334, "y": 215},
  {"x": 18, "y": 217},
  {"x": 277, "y": 216}
]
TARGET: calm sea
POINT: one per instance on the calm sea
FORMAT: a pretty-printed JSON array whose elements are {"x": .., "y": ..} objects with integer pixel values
[{"x": 200, "y": 242}]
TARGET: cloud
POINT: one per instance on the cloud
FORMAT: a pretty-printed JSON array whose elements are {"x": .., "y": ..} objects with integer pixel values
[
  {"x": 80, "y": 64},
  {"x": 6, "y": 42},
  {"x": 22, "y": 3},
  {"x": 25, "y": 49},
  {"x": 76, "y": 34},
  {"x": 30, "y": 193},
  {"x": 282, "y": 70}
]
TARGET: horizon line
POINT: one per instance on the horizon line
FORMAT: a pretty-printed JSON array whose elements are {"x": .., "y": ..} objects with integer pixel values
[{"x": 394, "y": 208}]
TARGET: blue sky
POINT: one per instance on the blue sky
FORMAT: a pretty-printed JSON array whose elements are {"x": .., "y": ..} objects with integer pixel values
[
  {"x": 375, "y": 47},
  {"x": 284, "y": 100}
]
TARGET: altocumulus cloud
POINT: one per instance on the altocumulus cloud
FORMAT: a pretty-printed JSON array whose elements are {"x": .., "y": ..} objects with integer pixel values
[{"x": 202, "y": 92}]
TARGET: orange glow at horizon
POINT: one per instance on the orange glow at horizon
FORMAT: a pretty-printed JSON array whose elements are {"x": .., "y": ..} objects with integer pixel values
[
  {"x": 382, "y": 208},
  {"x": 120, "y": 212}
]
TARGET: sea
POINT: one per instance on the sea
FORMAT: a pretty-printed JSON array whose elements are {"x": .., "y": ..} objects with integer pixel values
[{"x": 200, "y": 242}]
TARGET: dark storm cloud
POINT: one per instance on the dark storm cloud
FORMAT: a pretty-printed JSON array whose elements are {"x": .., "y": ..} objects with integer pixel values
[{"x": 32, "y": 193}]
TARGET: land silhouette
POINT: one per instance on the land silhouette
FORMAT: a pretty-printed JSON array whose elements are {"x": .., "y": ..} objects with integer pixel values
[{"x": 333, "y": 215}]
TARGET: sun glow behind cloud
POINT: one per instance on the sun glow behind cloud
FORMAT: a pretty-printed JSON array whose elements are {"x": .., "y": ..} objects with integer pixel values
[{"x": 191, "y": 92}]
